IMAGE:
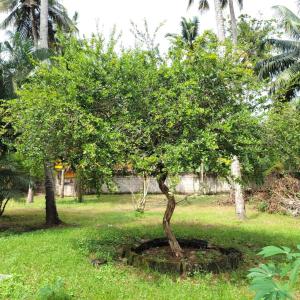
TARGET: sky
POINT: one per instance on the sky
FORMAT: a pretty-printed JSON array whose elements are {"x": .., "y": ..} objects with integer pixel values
[{"x": 103, "y": 15}]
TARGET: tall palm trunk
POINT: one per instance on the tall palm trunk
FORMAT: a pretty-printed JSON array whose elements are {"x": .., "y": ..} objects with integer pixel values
[
  {"x": 44, "y": 24},
  {"x": 236, "y": 188},
  {"x": 52, "y": 218},
  {"x": 220, "y": 20},
  {"x": 233, "y": 22},
  {"x": 34, "y": 24}
]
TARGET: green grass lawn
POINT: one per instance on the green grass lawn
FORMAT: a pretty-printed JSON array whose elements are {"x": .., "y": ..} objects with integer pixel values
[{"x": 37, "y": 256}]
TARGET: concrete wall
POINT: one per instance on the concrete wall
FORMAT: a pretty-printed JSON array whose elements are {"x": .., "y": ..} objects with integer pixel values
[{"x": 187, "y": 184}]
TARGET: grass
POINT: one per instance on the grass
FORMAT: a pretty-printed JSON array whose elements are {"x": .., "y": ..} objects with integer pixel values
[{"x": 37, "y": 256}]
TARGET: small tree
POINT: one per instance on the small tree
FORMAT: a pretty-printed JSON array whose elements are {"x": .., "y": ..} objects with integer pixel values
[{"x": 182, "y": 111}]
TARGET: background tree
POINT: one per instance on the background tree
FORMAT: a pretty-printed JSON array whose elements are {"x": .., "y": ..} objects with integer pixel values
[
  {"x": 13, "y": 179},
  {"x": 284, "y": 67},
  {"x": 189, "y": 31},
  {"x": 24, "y": 16},
  {"x": 233, "y": 21},
  {"x": 205, "y": 5}
]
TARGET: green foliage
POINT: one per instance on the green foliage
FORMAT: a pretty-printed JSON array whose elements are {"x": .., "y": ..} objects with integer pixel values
[
  {"x": 54, "y": 292},
  {"x": 276, "y": 281},
  {"x": 281, "y": 139},
  {"x": 284, "y": 67}
]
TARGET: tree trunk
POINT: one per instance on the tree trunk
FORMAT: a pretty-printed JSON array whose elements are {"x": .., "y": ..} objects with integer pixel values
[
  {"x": 52, "y": 218},
  {"x": 233, "y": 23},
  {"x": 62, "y": 184},
  {"x": 3, "y": 204},
  {"x": 142, "y": 202},
  {"x": 34, "y": 25},
  {"x": 30, "y": 193},
  {"x": 237, "y": 190},
  {"x": 44, "y": 24},
  {"x": 220, "y": 20},
  {"x": 78, "y": 188},
  {"x": 175, "y": 247}
]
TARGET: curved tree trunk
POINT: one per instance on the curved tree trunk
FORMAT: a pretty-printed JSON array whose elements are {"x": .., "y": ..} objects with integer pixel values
[
  {"x": 233, "y": 23},
  {"x": 220, "y": 20},
  {"x": 30, "y": 193},
  {"x": 175, "y": 247},
  {"x": 52, "y": 218},
  {"x": 237, "y": 191}
]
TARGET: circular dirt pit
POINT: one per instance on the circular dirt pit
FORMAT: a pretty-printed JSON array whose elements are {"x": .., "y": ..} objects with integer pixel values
[{"x": 199, "y": 256}]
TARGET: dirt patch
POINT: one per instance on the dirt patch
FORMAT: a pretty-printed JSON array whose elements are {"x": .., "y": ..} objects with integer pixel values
[{"x": 199, "y": 256}]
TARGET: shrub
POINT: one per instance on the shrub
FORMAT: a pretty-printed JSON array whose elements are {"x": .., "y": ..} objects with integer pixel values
[
  {"x": 54, "y": 292},
  {"x": 276, "y": 281}
]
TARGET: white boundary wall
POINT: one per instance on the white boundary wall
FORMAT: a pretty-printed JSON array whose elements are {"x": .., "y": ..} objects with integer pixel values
[{"x": 187, "y": 184}]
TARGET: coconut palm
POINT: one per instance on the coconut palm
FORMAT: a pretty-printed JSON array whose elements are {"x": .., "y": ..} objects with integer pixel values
[
  {"x": 204, "y": 5},
  {"x": 284, "y": 67},
  {"x": 189, "y": 31},
  {"x": 229, "y": 3},
  {"x": 52, "y": 218},
  {"x": 24, "y": 16}
]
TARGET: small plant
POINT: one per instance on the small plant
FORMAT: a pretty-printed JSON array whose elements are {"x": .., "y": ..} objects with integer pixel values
[
  {"x": 276, "y": 281},
  {"x": 54, "y": 292}
]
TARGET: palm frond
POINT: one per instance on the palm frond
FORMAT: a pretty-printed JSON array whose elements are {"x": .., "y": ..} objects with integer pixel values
[
  {"x": 277, "y": 64},
  {"x": 203, "y": 5},
  {"x": 289, "y": 21},
  {"x": 283, "y": 45},
  {"x": 288, "y": 82}
]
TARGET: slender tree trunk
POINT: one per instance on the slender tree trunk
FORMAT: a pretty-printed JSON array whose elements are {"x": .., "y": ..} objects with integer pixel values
[
  {"x": 78, "y": 188},
  {"x": 233, "y": 23},
  {"x": 3, "y": 204},
  {"x": 237, "y": 190},
  {"x": 52, "y": 218},
  {"x": 44, "y": 24},
  {"x": 62, "y": 184},
  {"x": 142, "y": 202},
  {"x": 220, "y": 20},
  {"x": 34, "y": 25},
  {"x": 30, "y": 193},
  {"x": 175, "y": 247}
]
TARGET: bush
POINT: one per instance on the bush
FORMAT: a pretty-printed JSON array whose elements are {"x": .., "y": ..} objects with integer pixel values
[
  {"x": 54, "y": 292},
  {"x": 276, "y": 281}
]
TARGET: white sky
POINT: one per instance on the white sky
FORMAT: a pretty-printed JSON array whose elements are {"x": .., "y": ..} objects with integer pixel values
[{"x": 104, "y": 14}]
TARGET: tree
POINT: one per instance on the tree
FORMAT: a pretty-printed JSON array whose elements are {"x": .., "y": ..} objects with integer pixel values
[
  {"x": 24, "y": 16},
  {"x": 189, "y": 31},
  {"x": 12, "y": 179},
  {"x": 68, "y": 122},
  {"x": 205, "y": 5},
  {"x": 51, "y": 210},
  {"x": 284, "y": 68},
  {"x": 233, "y": 18},
  {"x": 182, "y": 111}
]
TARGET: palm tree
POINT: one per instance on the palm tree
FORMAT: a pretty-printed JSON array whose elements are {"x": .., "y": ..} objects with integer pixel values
[
  {"x": 205, "y": 5},
  {"x": 284, "y": 67},
  {"x": 52, "y": 218},
  {"x": 24, "y": 16},
  {"x": 189, "y": 31},
  {"x": 229, "y": 3}
]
